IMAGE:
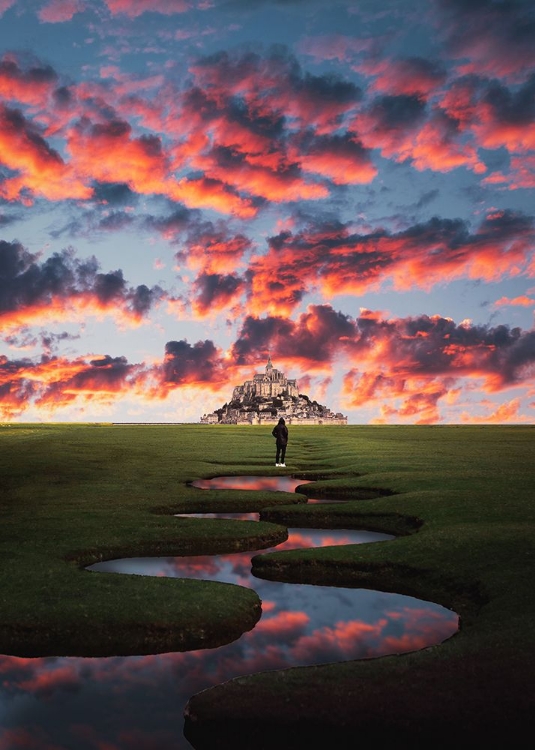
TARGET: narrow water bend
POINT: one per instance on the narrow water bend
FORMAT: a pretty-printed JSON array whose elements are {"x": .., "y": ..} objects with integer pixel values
[{"x": 303, "y": 624}]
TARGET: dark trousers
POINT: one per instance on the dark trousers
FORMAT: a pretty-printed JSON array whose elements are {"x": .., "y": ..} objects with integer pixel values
[{"x": 281, "y": 453}]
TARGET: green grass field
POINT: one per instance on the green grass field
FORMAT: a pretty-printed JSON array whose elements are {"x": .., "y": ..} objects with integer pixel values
[{"x": 459, "y": 498}]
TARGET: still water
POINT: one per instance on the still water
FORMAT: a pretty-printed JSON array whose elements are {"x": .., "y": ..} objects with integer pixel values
[
  {"x": 136, "y": 703},
  {"x": 273, "y": 484}
]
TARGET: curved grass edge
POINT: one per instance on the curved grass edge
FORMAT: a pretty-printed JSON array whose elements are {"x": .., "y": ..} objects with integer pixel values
[
  {"x": 365, "y": 703},
  {"x": 463, "y": 597},
  {"x": 183, "y": 615},
  {"x": 341, "y": 516},
  {"x": 229, "y": 501},
  {"x": 165, "y": 614},
  {"x": 338, "y": 487}
]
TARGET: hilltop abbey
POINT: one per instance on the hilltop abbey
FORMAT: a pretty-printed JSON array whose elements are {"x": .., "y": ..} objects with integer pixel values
[{"x": 266, "y": 398}]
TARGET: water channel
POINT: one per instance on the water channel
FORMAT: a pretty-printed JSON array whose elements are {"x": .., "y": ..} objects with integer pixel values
[{"x": 136, "y": 703}]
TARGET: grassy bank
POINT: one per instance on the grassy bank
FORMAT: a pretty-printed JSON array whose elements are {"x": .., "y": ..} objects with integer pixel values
[
  {"x": 75, "y": 494},
  {"x": 460, "y": 499}
]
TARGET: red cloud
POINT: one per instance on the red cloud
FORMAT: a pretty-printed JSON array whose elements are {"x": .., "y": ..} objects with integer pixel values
[
  {"x": 522, "y": 301},
  {"x": 419, "y": 400},
  {"x": 407, "y": 366},
  {"x": 275, "y": 85},
  {"x": 438, "y": 146},
  {"x": 413, "y": 75},
  {"x": 494, "y": 115},
  {"x": 334, "y": 46},
  {"x": 211, "y": 248},
  {"x": 339, "y": 158},
  {"x": 237, "y": 121},
  {"x": 40, "y": 169},
  {"x": 511, "y": 124},
  {"x": 57, "y": 11},
  {"x": 390, "y": 124},
  {"x": 56, "y": 382},
  {"x": 207, "y": 192},
  {"x": 338, "y": 261},
  {"x": 108, "y": 153},
  {"x": 240, "y": 147},
  {"x": 285, "y": 625},
  {"x": 212, "y": 115},
  {"x": 521, "y": 174},
  {"x": 400, "y": 398},
  {"x": 101, "y": 378},
  {"x": 46, "y": 681},
  {"x": 31, "y": 86},
  {"x": 312, "y": 341},
  {"x": 65, "y": 288},
  {"x": 274, "y": 185},
  {"x": 5, "y": 5},
  {"x": 199, "y": 364},
  {"x": 213, "y": 292},
  {"x": 402, "y": 128},
  {"x": 432, "y": 346},
  {"x": 496, "y": 39},
  {"x": 134, "y": 8},
  {"x": 345, "y": 640},
  {"x": 257, "y": 127},
  {"x": 422, "y": 628},
  {"x": 507, "y": 412}
]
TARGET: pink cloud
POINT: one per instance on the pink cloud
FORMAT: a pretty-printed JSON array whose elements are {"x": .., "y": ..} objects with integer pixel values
[
  {"x": 334, "y": 46},
  {"x": 521, "y": 174},
  {"x": 494, "y": 115},
  {"x": 5, "y": 5},
  {"x": 403, "y": 129},
  {"x": 504, "y": 413},
  {"x": 28, "y": 85},
  {"x": 285, "y": 625},
  {"x": 58, "y": 11},
  {"x": 39, "y": 169},
  {"x": 521, "y": 301},
  {"x": 338, "y": 261},
  {"x": 489, "y": 38},
  {"x": 135, "y": 8},
  {"x": 414, "y": 75}
]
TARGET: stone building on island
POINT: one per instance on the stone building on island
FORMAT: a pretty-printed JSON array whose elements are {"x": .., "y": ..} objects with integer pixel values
[{"x": 266, "y": 398}]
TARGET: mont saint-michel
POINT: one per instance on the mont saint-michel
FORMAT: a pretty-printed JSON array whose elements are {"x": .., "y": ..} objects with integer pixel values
[{"x": 266, "y": 398}]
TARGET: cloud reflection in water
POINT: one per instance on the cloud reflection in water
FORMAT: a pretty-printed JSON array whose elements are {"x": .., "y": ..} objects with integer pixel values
[{"x": 273, "y": 484}]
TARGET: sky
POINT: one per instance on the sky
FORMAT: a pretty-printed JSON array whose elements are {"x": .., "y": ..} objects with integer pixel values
[{"x": 187, "y": 186}]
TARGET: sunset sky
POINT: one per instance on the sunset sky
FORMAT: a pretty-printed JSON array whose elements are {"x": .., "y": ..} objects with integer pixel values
[{"x": 189, "y": 185}]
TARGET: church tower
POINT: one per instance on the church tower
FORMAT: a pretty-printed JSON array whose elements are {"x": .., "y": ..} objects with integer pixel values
[{"x": 269, "y": 366}]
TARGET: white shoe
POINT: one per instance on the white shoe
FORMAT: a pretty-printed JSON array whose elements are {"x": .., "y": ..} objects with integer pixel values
[
  {"x": 277, "y": 464},
  {"x": 283, "y": 465}
]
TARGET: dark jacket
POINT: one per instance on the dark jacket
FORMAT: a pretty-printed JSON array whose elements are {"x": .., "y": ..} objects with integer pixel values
[{"x": 280, "y": 432}]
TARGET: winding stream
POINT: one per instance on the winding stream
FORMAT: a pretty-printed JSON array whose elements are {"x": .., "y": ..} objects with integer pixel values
[{"x": 137, "y": 702}]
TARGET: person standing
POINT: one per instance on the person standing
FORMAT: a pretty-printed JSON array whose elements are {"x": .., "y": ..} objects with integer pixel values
[{"x": 280, "y": 433}]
